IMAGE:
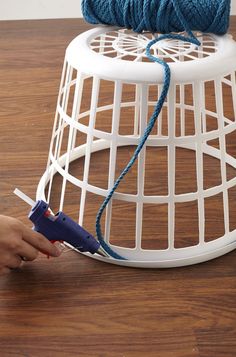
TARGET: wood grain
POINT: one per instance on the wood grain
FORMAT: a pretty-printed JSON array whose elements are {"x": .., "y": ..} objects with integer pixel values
[{"x": 75, "y": 306}]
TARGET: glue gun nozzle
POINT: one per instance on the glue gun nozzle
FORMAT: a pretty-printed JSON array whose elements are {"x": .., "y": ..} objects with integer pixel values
[{"x": 102, "y": 252}]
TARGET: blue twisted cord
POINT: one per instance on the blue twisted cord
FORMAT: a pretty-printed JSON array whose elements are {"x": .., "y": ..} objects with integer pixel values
[
  {"x": 171, "y": 16},
  {"x": 152, "y": 121}
]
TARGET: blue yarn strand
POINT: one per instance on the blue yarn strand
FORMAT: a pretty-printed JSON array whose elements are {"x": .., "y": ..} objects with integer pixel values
[
  {"x": 152, "y": 121},
  {"x": 157, "y": 110},
  {"x": 162, "y": 16}
]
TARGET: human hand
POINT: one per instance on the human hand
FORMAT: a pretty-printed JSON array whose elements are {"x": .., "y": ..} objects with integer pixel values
[{"x": 18, "y": 243}]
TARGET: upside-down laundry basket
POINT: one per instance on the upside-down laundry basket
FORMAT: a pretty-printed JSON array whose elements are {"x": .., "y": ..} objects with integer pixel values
[{"x": 177, "y": 205}]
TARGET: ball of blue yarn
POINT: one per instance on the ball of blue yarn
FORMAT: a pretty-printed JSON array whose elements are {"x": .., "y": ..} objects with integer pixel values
[{"x": 164, "y": 16}]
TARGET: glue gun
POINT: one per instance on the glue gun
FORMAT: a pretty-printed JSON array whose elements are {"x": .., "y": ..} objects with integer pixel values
[{"x": 60, "y": 227}]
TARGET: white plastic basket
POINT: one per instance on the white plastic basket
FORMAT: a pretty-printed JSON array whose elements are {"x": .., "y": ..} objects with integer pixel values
[{"x": 108, "y": 91}]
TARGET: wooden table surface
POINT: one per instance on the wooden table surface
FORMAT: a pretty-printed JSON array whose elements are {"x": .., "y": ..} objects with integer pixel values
[{"x": 73, "y": 305}]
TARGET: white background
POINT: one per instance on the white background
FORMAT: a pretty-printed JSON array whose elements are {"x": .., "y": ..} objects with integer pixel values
[{"x": 46, "y": 9}]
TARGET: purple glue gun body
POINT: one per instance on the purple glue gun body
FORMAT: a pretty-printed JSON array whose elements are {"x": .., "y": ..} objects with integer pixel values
[{"x": 62, "y": 228}]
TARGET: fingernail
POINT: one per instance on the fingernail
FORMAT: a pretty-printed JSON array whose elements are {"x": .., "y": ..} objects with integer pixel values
[{"x": 58, "y": 248}]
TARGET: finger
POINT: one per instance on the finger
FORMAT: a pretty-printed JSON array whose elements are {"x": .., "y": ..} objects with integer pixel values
[
  {"x": 14, "y": 262},
  {"x": 27, "y": 252},
  {"x": 39, "y": 242}
]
